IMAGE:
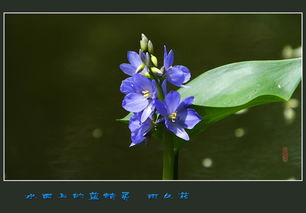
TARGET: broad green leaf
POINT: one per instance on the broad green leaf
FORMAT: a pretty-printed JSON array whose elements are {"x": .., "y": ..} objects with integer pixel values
[
  {"x": 225, "y": 90},
  {"x": 239, "y": 83},
  {"x": 125, "y": 119}
]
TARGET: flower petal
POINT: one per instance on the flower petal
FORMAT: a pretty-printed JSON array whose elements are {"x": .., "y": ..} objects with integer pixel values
[
  {"x": 127, "y": 86},
  {"x": 189, "y": 118},
  {"x": 146, "y": 127},
  {"x": 128, "y": 69},
  {"x": 147, "y": 112},
  {"x": 168, "y": 60},
  {"x": 175, "y": 76},
  {"x": 160, "y": 120},
  {"x": 185, "y": 71},
  {"x": 165, "y": 53},
  {"x": 134, "y": 122},
  {"x": 136, "y": 138},
  {"x": 172, "y": 101},
  {"x": 164, "y": 87},
  {"x": 145, "y": 70},
  {"x": 161, "y": 108},
  {"x": 139, "y": 134},
  {"x": 185, "y": 103},
  {"x": 143, "y": 83},
  {"x": 154, "y": 89},
  {"x": 145, "y": 58},
  {"x": 134, "y": 102},
  {"x": 178, "y": 130},
  {"x": 134, "y": 59}
]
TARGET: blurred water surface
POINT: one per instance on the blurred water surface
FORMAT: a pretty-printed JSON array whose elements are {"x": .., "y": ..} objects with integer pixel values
[{"x": 62, "y": 97}]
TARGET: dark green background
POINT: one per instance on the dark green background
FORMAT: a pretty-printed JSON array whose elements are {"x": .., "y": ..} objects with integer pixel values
[{"x": 62, "y": 82}]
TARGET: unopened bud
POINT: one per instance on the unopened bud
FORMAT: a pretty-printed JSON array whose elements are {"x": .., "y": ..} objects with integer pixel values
[
  {"x": 143, "y": 45},
  {"x": 146, "y": 74},
  {"x": 156, "y": 71},
  {"x": 150, "y": 47},
  {"x": 144, "y": 42},
  {"x": 154, "y": 60},
  {"x": 144, "y": 37},
  {"x": 140, "y": 68},
  {"x": 144, "y": 57}
]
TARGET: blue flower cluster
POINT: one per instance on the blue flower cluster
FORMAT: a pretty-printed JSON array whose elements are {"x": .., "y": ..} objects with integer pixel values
[{"x": 146, "y": 94}]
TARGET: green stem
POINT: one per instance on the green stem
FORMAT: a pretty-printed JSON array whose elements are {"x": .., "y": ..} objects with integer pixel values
[
  {"x": 160, "y": 94},
  {"x": 170, "y": 158},
  {"x": 176, "y": 157}
]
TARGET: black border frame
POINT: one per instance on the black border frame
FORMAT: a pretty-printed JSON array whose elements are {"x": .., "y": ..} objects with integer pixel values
[{"x": 204, "y": 196}]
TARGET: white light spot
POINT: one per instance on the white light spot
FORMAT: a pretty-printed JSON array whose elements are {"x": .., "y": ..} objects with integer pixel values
[
  {"x": 289, "y": 115},
  {"x": 239, "y": 132},
  {"x": 292, "y": 178},
  {"x": 292, "y": 103},
  {"x": 287, "y": 51},
  {"x": 297, "y": 52},
  {"x": 207, "y": 162},
  {"x": 279, "y": 86},
  {"x": 242, "y": 111},
  {"x": 97, "y": 133}
]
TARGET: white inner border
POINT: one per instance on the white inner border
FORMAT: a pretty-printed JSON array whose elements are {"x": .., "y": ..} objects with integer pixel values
[{"x": 167, "y": 13}]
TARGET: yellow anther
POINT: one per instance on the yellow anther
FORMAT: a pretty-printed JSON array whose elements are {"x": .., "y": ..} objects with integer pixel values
[
  {"x": 146, "y": 93},
  {"x": 172, "y": 116}
]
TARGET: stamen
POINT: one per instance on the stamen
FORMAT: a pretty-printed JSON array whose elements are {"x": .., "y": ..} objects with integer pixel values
[
  {"x": 146, "y": 93},
  {"x": 172, "y": 116}
]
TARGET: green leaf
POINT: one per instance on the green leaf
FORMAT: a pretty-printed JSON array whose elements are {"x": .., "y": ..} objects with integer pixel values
[
  {"x": 125, "y": 119},
  {"x": 239, "y": 83},
  {"x": 225, "y": 90}
]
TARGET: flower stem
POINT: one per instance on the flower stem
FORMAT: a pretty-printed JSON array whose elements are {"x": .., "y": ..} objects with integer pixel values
[
  {"x": 160, "y": 93},
  {"x": 170, "y": 158}
]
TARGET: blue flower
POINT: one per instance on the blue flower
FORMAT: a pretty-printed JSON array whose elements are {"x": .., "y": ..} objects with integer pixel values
[
  {"x": 138, "y": 63},
  {"x": 176, "y": 75},
  {"x": 139, "y": 130},
  {"x": 177, "y": 114},
  {"x": 140, "y": 96}
]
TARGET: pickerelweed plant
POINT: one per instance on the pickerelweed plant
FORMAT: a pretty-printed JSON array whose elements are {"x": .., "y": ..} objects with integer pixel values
[{"x": 176, "y": 116}]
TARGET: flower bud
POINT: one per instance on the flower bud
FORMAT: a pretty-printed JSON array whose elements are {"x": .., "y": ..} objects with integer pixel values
[
  {"x": 156, "y": 71},
  {"x": 144, "y": 42},
  {"x": 150, "y": 47},
  {"x": 146, "y": 74},
  {"x": 144, "y": 37},
  {"x": 154, "y": 60},
  {"x": 145, "y": 58},
  {"x": 143, "y": 45},
  {"x": 140, "y": 68}
]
